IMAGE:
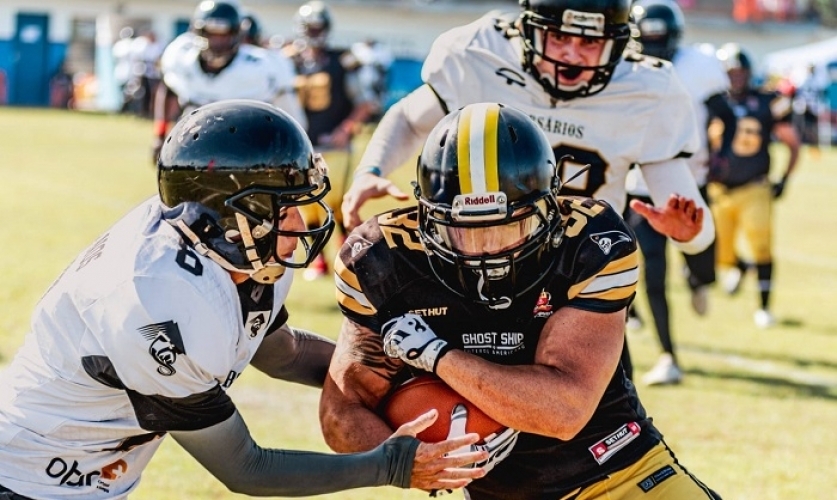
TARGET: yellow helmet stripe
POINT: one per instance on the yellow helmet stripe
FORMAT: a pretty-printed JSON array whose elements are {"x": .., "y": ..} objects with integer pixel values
[{"x": 477, "y": 148}]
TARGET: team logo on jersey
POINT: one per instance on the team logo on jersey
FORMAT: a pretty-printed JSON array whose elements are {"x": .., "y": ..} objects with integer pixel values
[
  {"x": 494, "y": 343},
  {"x": 256, "y": 323},
  {"x": 607, "y": 447},
  {"x": 511, "y": 76},
  {"x": 543, "y": 308},
  {"x": 430, "y": 311},
  {"x": 609, "y": 239},
  {"x": 358, "y": 244},
  {"x": 166, "y": 345},
  {"x": 71, "y": 475}
]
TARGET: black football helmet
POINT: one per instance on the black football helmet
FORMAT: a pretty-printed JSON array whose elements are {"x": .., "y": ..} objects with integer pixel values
[
  {"x": 732, "y": 56},
  {"x": 659, "y": 27},
  {"x": 216, "y": 18},
  {"x": 488, "y": 214},
  {"x": 228, "y": 171},
  {"x": 312, "y": 23},
  {"x": 251, "y": 29},
  {"x": 600, "y": 19}
]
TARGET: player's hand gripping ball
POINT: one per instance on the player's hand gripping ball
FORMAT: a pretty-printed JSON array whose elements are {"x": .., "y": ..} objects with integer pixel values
[{"x": 425, "y": 392}]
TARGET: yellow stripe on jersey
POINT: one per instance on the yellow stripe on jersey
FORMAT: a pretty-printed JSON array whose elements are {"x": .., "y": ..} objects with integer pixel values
[
  {"x": 476, "y": 148},
  {"x": 617, "y": 281},
  {"x": 348, "y": 292}
]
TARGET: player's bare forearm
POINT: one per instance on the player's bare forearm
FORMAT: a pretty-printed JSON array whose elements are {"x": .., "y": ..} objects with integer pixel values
[
  {"x": 557, "y": 394},
  {"x": 359, "y": 376}
]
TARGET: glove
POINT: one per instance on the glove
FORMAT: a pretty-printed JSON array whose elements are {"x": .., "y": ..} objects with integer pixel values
[
  {"x": 412, "y": 340},
  {"x": 498, "y": 446},
  {"x": 779, "y": 188}
]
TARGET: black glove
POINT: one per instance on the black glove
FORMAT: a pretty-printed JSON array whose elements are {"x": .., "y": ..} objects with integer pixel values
[{"x": 779, "y": 188}]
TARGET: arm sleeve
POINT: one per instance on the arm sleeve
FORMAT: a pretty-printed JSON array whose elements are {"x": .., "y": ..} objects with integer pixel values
[
  {"x": 719, "y": 107},
  {"x": 227, "y": 450},
  {"x": 673, "y": 176},
  {"x": 295, "y": 355},
  {"x": 402, "y": 129}
]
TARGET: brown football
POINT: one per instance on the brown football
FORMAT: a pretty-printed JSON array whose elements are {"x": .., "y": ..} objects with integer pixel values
[{"x": 425, "y": 392}]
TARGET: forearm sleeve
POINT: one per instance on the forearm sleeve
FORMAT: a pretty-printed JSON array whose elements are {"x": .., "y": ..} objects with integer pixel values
[
  {"x": 674, "y": 177},
  {"x": 720, "y": 108},
  {"x": 402, "y": 129},
  {"x": 295, "y": 355},
  {"x": 228, "y": 451}
]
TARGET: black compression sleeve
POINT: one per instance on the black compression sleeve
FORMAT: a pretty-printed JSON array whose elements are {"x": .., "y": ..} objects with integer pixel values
[
  {"x": 719, "y": 107},
  {"x": 228, "y": 451}
]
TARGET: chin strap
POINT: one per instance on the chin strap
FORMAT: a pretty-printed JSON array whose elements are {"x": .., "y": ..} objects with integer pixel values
[{"x": 267, "y": 274}]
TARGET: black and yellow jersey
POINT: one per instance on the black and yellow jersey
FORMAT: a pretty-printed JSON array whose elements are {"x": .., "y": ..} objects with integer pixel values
[
  {"x": 382, "y": 272},
  {"x": 756, "y": 113}
]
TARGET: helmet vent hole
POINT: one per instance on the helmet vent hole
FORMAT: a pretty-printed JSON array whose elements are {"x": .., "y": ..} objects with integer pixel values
[
  {"x": 195, "y": 136},
  {"x": 268, "y": 118},
  {"x": 443, "y": 140},
  {"x": 232, "y": 130},
  {"x": 513, "y": 134}
]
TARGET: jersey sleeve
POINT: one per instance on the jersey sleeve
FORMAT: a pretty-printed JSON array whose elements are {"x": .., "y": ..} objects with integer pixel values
[
  {"x": 600, "y": 257},
  {"x": 367, "y": 271},
  {"x": 445, "y": 68},
  {"x": 672, "y": 130}
]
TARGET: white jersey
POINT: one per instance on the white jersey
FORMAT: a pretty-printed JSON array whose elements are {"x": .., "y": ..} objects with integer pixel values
[
  {"x": 254, "y": 73},
  {"x": 703, "y": 75},
  {"x": 644, "y": 115},
  {"x": 138, "y": 336}
]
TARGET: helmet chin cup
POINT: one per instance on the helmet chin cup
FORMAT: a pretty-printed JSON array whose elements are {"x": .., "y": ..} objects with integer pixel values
[{"x": 268, "y": 274}]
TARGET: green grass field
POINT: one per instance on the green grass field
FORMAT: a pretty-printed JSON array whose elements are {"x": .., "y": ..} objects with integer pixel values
[{"x": 754, "y": 417}]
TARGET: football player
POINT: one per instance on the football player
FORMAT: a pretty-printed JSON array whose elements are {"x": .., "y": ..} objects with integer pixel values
[
  {"x": 604, "y": 110},
  {"x": 210, "y": 63},
  {"x": 659, "y": 30},
  {"x": 742, "y": 194},
  {"x": 515, "y": 296},
  {"x": 338, "y": 91},
  {"x": 145, "y": 331}
]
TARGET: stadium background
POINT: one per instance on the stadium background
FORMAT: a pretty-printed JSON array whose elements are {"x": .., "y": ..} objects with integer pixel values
[{"x": 40, "y": 38}]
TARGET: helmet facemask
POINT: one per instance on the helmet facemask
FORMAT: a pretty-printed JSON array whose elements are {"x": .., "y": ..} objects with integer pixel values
[
  {"x": 493, "y": 248},
  {"x": 239, "y": 231},
  {"x": 536, "y": 30}
]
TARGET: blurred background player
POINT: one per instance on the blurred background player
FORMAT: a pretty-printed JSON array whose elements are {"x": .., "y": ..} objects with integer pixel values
[
  {"x": 659, "y": 28},
  {"x": 741, "y": 189},
  {"x": 210, "y": 63},
  {"x": 561, "y": 62},
  {"x": 340, "y": 91},
  {"x": 251, "y": 30}
]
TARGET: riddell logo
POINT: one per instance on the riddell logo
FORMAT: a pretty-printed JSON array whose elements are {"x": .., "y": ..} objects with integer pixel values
[
  {"x": 479, "y": 200},
  {"x": 71, "y": 475}
]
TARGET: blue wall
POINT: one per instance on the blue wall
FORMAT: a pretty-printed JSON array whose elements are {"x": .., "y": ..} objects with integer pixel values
[{"x": 55, "y": 57}]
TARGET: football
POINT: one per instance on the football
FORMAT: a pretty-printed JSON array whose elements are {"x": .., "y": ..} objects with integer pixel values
[{"x": 425, "y": 392}]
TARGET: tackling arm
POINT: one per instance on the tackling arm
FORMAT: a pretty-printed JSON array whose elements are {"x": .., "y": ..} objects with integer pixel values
[
  {"x": 673, "y": 177},
  {"x": 402, "y": 129},
  {"x": 228, "y": 451},
  {"x": 294, "y": 355}
]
